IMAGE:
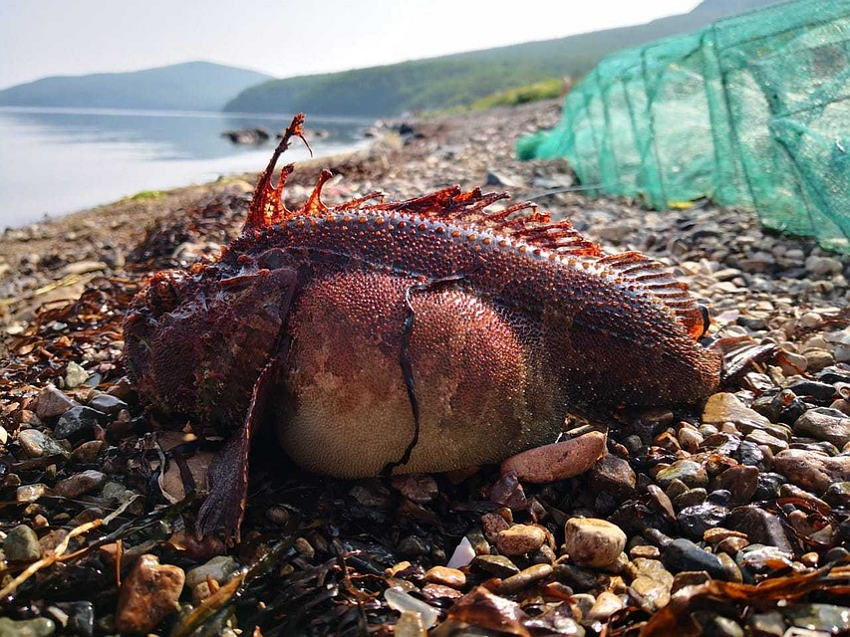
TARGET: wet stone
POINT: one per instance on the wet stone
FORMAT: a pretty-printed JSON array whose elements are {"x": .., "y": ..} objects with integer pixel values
[
  {"x": 578, "y": 578},
  {"x": 812, "y": 471},
  {"x": 726, "y": 407},
  {"x": 508, "y": 492},
  {"x": 732, "y": 545},
  {"x": 495, "y": 565},
  {"x": 838, "y": 494},
  {"x": 760, "y": 526},
  {"x": 749, "y": 454},
  {"x": 758, "y": 559},
  {"x": 690, "y": 498},
  {"x": 581, "y": 604},
  {"x": 688, "y": 471},
  {"x": 683, "y": 579},
  {"x": 593, "y": 542},
  {"x": 823, "y": 617},
  {"x": 520, "y": 539},
  {"x": 221, "y": 568},
  {"x": 86, "y": 453},
  {"x": 76, "y": 422},
  {"x": 684, "y": 555},
  {"x": 818, "y": 359},
  {"x": 38, "y": 627},
  {"x": 51, "y": 402},
  {"x": 697, "y": 519},
  {"x": 80, "y": 483},
  {"x": 21, "y": 545},
  {"x": 525, "y": 578},
  {"x": 741, "y": 482},
  {"x": 148, "y": 595},
  {"x": 651, "y": 586},
  {"x": 413, "y": 545},
  {"x": 445, "y": 576},
  {"x": 759, "y": 437},
  {"x": 644, "y": 550},
  {"x": 107, "y": 403},
  {"x": 36, "y": 444},
  {"x": 614, "y": 475},
  {"x": 662, "y": 500},
  {"x": 815, "y": 389},
  {"x": 30, "y": 492},
  {"x": 824, "y": 423},
  {"x": 768, "y": 485}
]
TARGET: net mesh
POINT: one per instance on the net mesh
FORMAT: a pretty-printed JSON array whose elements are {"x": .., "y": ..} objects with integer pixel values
[{"x": 751, "y": 111}]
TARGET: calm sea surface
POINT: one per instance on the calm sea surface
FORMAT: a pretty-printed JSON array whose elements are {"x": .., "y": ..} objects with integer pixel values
[{"x": 55, "y": 161}]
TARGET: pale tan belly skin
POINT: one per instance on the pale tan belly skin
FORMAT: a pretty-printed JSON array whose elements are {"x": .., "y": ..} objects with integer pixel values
[{"x": 346, "y": 411}]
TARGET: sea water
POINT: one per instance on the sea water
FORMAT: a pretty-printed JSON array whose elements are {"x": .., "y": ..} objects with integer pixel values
[{"x": 56, "y": 161}]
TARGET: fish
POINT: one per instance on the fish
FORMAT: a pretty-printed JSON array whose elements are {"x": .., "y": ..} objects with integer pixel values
[{"x": 383, "y": 337}]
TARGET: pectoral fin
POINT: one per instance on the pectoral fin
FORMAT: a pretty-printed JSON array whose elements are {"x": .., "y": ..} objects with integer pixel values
[{"x": 227, "y": 477}]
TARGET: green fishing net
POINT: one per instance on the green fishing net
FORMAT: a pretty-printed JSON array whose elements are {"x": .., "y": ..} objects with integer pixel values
[{"x": 752, "y": 111}]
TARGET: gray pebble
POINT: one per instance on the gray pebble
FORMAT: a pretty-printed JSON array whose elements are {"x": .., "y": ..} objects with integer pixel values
[{"x": 21, "y": 545}]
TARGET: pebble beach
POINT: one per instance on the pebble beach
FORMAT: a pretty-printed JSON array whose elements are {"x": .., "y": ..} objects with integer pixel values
[{"x": 728, "y": 518}]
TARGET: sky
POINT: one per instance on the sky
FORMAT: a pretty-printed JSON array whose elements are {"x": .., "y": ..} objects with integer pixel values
[{"x": 284, "y": 38}]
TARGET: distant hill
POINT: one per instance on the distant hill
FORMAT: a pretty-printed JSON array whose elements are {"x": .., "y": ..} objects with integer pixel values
[
  {"x": 191, "y": 86},
  {"x": 452, "y": 80}
]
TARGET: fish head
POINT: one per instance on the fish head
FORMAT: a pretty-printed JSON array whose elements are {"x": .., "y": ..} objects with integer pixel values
[{"x": 195, "y": 342}]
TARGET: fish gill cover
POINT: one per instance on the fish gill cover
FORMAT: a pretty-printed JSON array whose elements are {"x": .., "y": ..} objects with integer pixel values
[{"x": 751, "y": 111}]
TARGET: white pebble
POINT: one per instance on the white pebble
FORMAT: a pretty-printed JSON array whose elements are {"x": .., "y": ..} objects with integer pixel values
[
  {"x": 463, "y": 555},
  {"x": 401, "y": 601}
]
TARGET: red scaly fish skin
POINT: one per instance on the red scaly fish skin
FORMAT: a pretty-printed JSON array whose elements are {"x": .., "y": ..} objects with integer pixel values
[{"x": 416, "y": 336}]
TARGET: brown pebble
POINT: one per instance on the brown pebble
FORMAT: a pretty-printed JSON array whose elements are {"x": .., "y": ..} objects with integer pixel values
[
  {"x": 520, "y": 539},
  {"x": 492, "y": 524},
  {"x": 51, "y": 403},
  {"x": 418, "y": 488},
  {"x": 148, "y": 595},
  {"x": 732, "y": 545},
  {"x": 525, "y": 578},
  {"x": 688, "y": 578},
  {"x": 441, "y": 592},
  {"x": 810, "y": 559},
  {"x": 645, "y": 550},
  {"x": 79, "y": 484},
  {"x": 718, "y": 534},
  {"x": 741, "y": 482},
  {"x": 811, "y": 470},
  {"x": 445, "y": 576},
  {"x": 559, "y": 460},
  {"x": 87, "y": 452}
]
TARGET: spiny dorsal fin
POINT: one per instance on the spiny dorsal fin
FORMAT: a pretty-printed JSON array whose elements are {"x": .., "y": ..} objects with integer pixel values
[
  {"x": 522, "y": 222},
  {"x": 267, "y": 203},
  {"x": 654, "y": 277}
]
